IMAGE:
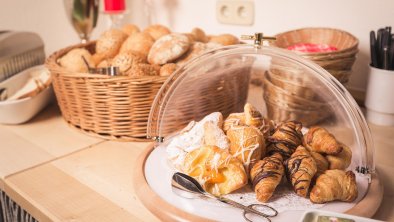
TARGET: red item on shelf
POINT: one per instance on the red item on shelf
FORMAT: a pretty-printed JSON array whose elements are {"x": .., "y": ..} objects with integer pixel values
[
  {"x": 114, "y": 5},
  {"x": 310, "y": 47}
]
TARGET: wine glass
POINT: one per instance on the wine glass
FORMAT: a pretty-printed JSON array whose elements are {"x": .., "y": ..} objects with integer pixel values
[{"x": 83, "y": 16}]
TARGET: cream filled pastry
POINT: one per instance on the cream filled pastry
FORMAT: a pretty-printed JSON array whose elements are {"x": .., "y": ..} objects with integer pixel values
[
  {"x": 215, "y": 169},
  {"x": 208, "y": 131}
]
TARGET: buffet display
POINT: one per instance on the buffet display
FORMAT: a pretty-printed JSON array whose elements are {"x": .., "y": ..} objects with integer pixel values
[{"x": 291, "y": 137}]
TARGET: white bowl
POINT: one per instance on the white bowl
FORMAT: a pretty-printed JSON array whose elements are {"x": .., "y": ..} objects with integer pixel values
[
  {"x": 20, "y": 111},
  {"x": 312, "y": 216}
]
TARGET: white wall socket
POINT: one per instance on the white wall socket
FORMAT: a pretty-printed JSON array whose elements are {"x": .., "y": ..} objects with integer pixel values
[{"x": 235, "y": 12}]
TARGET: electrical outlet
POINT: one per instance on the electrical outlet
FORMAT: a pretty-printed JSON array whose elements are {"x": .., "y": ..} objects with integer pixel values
[{"x": 235, "y": 12}]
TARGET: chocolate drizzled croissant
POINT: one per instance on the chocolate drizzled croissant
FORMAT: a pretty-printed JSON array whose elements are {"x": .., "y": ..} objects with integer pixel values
[
  {"x": 300, "y": 169},
  {"x": 286, "y": 139},
  {"x": 266, "y": 174}
]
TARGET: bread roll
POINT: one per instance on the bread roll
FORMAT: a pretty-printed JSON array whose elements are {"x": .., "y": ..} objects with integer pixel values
[{"x": 73, "y": 61}]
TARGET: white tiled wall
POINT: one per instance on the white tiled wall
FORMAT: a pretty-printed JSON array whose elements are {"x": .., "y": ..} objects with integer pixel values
[{"x": 47, "y": 18}]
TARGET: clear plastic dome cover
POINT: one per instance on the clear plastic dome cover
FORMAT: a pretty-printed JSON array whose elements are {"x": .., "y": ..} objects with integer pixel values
[{"x": 280, "y": 84}]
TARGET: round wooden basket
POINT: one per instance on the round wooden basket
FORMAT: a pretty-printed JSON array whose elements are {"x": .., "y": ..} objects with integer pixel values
[
  {"x": 111, "y": 107},
  {"x": 338, "y": 63}
]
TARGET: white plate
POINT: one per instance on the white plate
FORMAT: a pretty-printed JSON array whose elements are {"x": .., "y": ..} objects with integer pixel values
[{"x": 158, "y": 174}]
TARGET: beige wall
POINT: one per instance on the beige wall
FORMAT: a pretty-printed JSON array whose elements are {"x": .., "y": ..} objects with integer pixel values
[{"x": 47, "y": 18}]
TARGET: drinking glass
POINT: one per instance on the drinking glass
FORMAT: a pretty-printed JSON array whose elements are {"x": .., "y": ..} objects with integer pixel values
[{"x": 83, "y": 16}]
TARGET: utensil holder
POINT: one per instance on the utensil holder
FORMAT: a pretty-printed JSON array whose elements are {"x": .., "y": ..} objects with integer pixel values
[{"x": 379, "y": 99}]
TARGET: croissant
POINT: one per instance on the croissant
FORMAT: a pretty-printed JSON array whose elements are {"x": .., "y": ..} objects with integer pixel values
[
  {"x": 215, "y": 169},
  {"x": 254, "y": 118},
  {"x": 342, "y": 160},
  {"x": 319, "y": 140},
  {"x": 286, "y": 139},
  {"x": 265, "y": 175},
  {"x": 334, "y": 185},
  {"x": 321, "y": 163},
  {"x": 246, "y": 144},
  {"x": 300, "y": 169}
]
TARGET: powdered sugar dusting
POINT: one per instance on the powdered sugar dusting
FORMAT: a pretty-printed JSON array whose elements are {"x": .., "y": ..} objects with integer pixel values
[{"x": 193, "y": 138}]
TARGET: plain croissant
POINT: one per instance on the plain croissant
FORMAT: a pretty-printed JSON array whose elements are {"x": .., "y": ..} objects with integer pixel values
[
  {"x": 319, "y": 140},
  {"x": 334, "y": 185},
  {"x": 342, "y": 160},
  {"x": 266, "y": 174}
]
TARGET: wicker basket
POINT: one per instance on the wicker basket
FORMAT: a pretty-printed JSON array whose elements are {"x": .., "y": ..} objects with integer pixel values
[
  {"x": 292, "y": 87},
  {"x": 286, "y": 100},
  {"x": 342, "y": 40},
  {"x": 114, "y": 108},
  {"x": 117, "y": 108},
  {"x": 280, "y": 113},
  {"x": 338, "y": 63}
]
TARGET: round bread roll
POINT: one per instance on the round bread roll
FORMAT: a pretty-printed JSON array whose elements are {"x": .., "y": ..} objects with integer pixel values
[
  {"x": 109, "y": 43},
  {"x": 138, "y": 42},
  {"x": 73, "y": 61},
  {"x": 199, "y": 35},
  {"x": 168, "y": 48},
  {"x": 157, "y": 31},
  {"x": 225, "y": 39},
  {"x": 190, "y": 37},
  {"x": 168, "y": 69},
  {"x": 98, "y": 58},
  {"x": 105, "y": 63},
  {"x": 125, "y": 60},
  {"x": 143, "y": 69},
  {"x": 130, "y": 29},
  {"x": 196, "y": 49}
]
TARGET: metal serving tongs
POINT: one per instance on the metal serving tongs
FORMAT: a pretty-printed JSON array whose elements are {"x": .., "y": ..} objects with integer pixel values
[{"x": 188, "y": 187}]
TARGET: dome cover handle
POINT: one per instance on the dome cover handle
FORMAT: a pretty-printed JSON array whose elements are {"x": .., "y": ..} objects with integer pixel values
[{"x": 258, "y": 37}]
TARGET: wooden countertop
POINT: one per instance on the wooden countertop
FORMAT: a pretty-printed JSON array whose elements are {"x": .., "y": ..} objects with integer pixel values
[{"x": 56, "y": 173}]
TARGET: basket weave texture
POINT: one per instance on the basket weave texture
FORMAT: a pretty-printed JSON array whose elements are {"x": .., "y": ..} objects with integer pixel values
[{"x": 115, "y": 108}]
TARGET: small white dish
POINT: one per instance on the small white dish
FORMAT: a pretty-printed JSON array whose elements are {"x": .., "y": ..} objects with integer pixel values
[
  {"x": 22, "y": 110},
  {"x": 313, "y": 216}
]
